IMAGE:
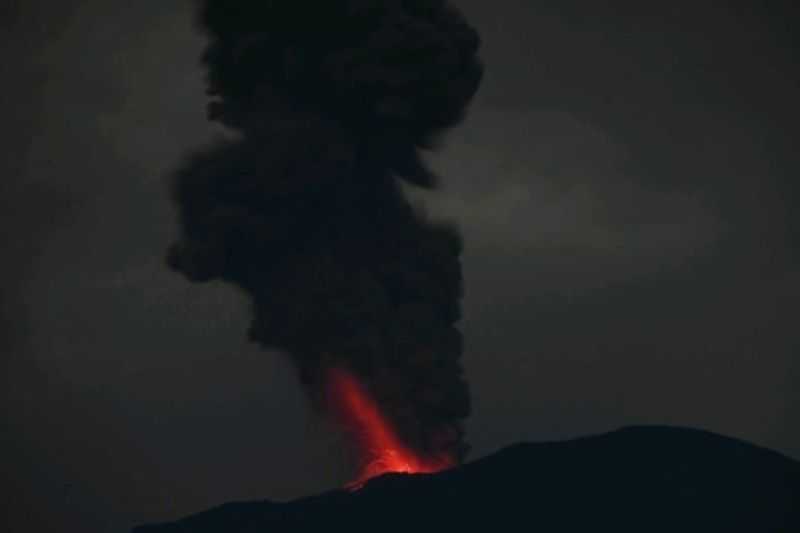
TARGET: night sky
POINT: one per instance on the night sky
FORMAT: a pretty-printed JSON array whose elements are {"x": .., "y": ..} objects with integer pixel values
[{"x": 624, "y": 183}]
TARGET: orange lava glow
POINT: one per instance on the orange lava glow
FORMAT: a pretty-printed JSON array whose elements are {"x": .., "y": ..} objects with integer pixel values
[{"x": 379, "y": 446}]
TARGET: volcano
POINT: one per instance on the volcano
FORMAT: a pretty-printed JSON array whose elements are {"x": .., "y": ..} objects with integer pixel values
[
  {"x": 379, "y": 447},
  {"x": 636, "y": 479}
]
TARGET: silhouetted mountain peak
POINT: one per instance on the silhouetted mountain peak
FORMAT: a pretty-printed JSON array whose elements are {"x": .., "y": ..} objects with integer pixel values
[{"x": 641, "y": 479}]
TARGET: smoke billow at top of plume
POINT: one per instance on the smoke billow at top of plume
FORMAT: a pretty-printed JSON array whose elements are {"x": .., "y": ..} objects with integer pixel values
[{"x": 334, "y": 101}]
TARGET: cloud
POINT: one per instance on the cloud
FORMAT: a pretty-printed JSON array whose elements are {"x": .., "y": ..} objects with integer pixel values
[{"x": 555, "y": 189}]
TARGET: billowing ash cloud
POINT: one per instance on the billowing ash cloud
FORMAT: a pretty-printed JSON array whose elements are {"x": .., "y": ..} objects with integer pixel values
[{"x": 334, "y": 100}]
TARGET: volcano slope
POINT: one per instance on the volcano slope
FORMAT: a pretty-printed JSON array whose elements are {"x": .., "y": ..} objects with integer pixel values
[{"x": 642, "y": 479}]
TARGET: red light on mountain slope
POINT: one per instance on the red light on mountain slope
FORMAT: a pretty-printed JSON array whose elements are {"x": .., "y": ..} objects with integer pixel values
[{"x": 380, "y": 449}]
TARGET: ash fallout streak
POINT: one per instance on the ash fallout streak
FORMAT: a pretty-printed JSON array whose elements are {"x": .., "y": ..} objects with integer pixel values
[{"x": 333, "y": 101}]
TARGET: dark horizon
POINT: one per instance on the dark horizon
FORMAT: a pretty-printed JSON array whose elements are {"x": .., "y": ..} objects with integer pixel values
[{"x": 624, "y": 184}]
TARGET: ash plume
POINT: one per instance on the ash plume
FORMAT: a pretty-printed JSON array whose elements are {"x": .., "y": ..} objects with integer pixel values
[{"x": 333, "y": 101}]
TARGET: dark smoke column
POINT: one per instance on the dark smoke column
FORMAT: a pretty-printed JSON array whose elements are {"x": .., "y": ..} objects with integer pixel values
[{"x": 333, "y": 101}]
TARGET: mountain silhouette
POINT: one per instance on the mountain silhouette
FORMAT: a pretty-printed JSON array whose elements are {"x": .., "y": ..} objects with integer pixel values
[{"x": 642, "y": 479}]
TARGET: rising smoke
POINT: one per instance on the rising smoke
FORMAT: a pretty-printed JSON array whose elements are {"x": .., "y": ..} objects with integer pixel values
[{"x": 333, "y": 101}]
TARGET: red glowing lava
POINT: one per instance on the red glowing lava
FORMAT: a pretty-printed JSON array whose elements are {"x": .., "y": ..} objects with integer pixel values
[{"x": 378, "y": 444}]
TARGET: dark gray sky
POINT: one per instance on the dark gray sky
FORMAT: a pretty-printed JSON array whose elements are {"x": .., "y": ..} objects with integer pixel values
[{"x": 624, "y": 184}]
